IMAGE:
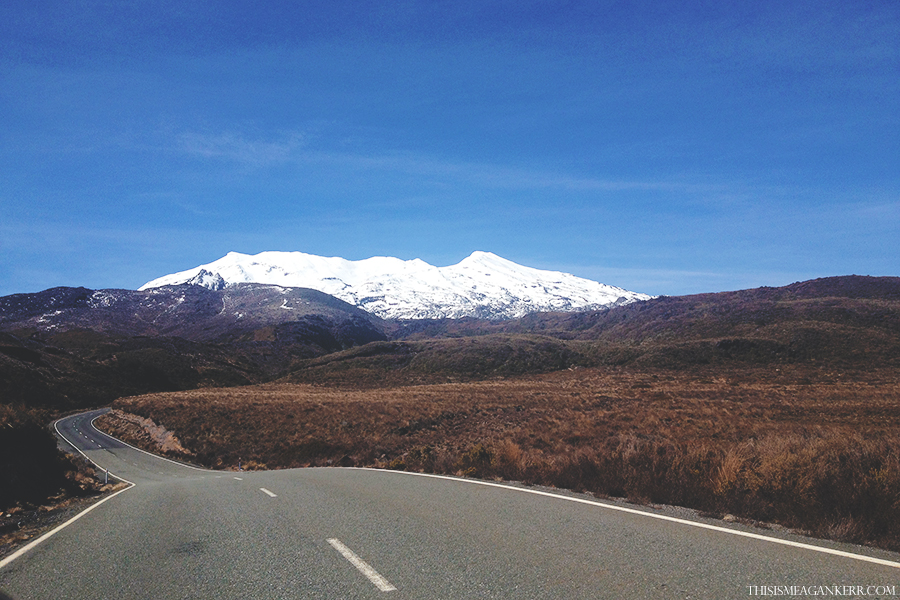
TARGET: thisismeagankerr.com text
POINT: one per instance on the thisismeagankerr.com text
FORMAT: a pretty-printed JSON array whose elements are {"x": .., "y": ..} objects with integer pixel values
[{"x": 846, "y": 591}]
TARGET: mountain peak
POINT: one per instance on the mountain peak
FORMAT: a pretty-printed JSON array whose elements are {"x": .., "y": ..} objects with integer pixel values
[
  {"x": 481, "y": 285},
  {"x": 486, "y": 258}
]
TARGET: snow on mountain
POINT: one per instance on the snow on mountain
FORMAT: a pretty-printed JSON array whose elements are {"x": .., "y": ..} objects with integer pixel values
[{"x": 482, "y": 285}]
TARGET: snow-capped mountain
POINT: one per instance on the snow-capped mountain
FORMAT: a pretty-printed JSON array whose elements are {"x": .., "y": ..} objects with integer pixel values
[{"x": 482, "y": 285}]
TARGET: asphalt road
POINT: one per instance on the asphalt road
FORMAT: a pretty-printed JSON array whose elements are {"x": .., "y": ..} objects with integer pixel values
[{"x": 182, "y": 532}]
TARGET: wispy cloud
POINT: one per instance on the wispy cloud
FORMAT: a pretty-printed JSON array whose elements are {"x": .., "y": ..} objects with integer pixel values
[
  {"x": 500, "y": 176},
  {"x": 886, "y": 211},
  {"x": 300, "y": 149},
  {"x": 240, "y": 148}
]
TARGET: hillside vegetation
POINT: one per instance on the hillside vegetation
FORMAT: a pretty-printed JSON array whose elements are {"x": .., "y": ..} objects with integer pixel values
[
  {"x": 27, "y": 449},
  {"x": 773, "y": 404},
  {"x": 842, "y": 322},
  {"x": 70, "y": 348},
  {"x": 809, "y": 448}
]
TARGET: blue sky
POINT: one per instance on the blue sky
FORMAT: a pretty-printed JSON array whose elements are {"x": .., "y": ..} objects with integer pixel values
[{"x": 665, "y": 147}]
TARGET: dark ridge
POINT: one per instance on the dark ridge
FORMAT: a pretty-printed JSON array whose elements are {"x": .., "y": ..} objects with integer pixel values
[
  {"x": 73, "y": 347},
  {"x": 846, "y": 322}
]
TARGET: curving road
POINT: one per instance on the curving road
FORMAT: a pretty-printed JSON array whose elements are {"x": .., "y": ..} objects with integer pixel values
[{"x": 182, "y": 532}]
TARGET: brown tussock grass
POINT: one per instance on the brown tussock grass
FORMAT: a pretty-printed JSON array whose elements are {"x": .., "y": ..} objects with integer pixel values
[
  {"x": 143, "y": 433},
  {"x": 808, "y": 448}
]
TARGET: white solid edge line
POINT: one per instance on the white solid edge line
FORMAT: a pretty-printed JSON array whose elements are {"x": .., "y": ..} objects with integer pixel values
[
  {"x": 755, "y": 536},
  {"x": 380, "y": 582},
  {"x": 49, "y": 534},
  {"x": 68, "y": 441},
  {"x": 174, "y": 462},
  {"x": 53, "y": 532},
  {"x": 268, "y": 493}
]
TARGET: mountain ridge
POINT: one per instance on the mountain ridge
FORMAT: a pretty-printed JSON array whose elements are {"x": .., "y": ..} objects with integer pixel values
[
  {"x": 190, "y": 312},
  {"x": 75, "y": 346},
  {"x": 483, "y": 285}
]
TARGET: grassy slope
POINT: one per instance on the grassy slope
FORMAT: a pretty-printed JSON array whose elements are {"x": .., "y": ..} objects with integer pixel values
[
  {"x": 775, "y": 403},
  {"x": 846, "y": 322},
  {"x": 803, "y": 446}
]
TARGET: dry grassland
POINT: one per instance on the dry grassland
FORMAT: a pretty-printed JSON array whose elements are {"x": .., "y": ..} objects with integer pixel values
[{"x": 804, "y": 447}]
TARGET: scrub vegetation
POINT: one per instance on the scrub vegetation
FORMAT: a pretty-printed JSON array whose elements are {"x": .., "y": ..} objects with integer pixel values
[
  {"x": 28, "y": 448},
  {"x": 810, "y": 448},
  {"x": 777, "y": 405}
]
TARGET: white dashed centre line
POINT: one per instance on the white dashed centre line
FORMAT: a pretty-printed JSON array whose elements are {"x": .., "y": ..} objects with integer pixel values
[
  {"x": 268, "y": 493},
  {"x": 380, "y": 582},
  {"x": 238, "y": 478}
]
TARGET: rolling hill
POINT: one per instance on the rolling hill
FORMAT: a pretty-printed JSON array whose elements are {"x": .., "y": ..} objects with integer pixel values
[
  {"x": 77, "y": 347},
  {"x": 68, "y": 345}
]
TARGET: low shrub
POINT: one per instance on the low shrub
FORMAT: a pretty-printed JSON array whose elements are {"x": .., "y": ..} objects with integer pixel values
[
  {"x": 812, "y": 449},
  {"x": 33, "y": 471}
]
